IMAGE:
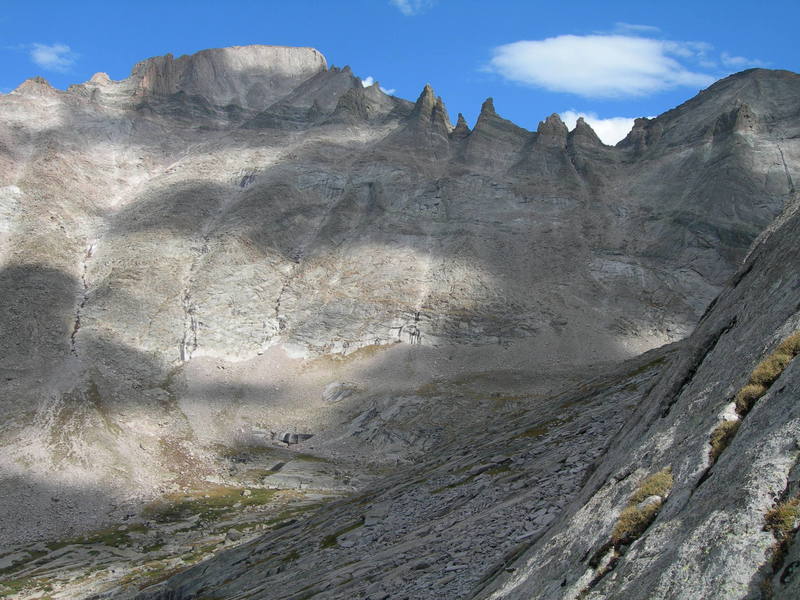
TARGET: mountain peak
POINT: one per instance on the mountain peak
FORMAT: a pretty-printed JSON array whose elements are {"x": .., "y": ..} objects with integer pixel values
[
  {"x": 426, "y": 99},
  {"x": 250, "y": 76}
]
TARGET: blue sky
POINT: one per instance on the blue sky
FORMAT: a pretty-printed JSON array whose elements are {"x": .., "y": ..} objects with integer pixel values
[{"x": 607, "y": 59}]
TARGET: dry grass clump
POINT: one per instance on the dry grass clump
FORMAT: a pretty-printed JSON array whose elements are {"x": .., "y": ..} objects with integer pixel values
[
  {"x": 635, "y": 519},
  {"x": 747, "y": 397},
  {"x": 766, "y": 373},
  {"x": 721, "y": 438},
  {"x": 780, "y": 519},
  {"x": 763, "y": 376},
  {"x": 658, "y": 484},
  {"x": 791, "y": 345},
  {"x": 769, "y": 369}
]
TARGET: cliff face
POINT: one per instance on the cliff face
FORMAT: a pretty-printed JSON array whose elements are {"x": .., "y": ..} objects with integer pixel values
[
  {"x": 551, "y": 501},
  {"x": 184, "y": 251},
  {"x": 715, "y": 534}
]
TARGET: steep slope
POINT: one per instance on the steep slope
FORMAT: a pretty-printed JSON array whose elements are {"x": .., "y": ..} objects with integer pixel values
[
  {"x": 193, "y": 255},
  {"x": 507, "y": 514},
  {"x": 733, "y": 465}
]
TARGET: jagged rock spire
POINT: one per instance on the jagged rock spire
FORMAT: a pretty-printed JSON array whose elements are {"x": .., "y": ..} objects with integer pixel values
[
  {"x": 584, "y": 135},
  {"x": 430, "y": 110},
  {"x": 488, "y": 114},
  {"x": 426, "y": 101},
  {"x": 552, "y": 132},
  {"x": 461, "y": 129},
  {"x": 487, "y": 108},
  {"x": 440, "y": 115}
]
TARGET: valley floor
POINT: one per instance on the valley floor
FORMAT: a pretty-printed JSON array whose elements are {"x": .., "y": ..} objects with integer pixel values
[{"x": 444, "y": 520}]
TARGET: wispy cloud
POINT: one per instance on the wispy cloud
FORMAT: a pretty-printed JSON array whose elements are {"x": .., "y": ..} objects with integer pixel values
[
  {"x": 602, "y": 66},
  {"x": 740, "y": 62},
  {"x": 633, "y": 28},
  {"x": 412, "y": 7},
  {"x": 55, "y": 57},
  {"x": 370, "y": 81},
  {"x": 610, "y": 130}
]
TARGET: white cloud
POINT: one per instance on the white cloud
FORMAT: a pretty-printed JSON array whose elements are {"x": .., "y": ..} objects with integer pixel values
[
  {"x": 370, "y": 81},
  {"x": 602, "y": 66},
  {"x": 740, "y": 62},
  {"x": 610, "y": 131},
  {"x": 632, "y": 28},
  {"x": 412, "y": 7},
  {"x": 56, "y": 57}
]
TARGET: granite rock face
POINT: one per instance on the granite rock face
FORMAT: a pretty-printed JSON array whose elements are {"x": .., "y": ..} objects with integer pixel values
[
  {"x": 246, "y": 242},
  {"x": 711, "y": 537}
]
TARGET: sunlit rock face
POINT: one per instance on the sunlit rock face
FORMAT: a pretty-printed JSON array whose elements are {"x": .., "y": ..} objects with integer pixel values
[{"x": 216, "y": 217}]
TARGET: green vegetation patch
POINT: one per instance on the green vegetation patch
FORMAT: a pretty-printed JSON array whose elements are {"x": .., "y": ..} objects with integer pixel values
[
  {"x": 310, "y": 458},
  {"x": 292, "y": 556},
  {"x": 258, "y": 475},
  {"x": 113, "y": 537},
  {"x": 332, "y": 540},
  {"x": 23, "y": 562},
  {"x": 11, "y": 588},
  {"x": 292, "y": 513},
  {"x": 157, "y": 575},
  {"x": 198, "y": 553},
  {"x": 645, "y": 367},
  {"x": 534, "y": 432},
  {"x": 210, "y": 503}
]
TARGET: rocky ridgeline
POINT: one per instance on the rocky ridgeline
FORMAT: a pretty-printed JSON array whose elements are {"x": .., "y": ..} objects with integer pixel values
[{"x": 244, "y": 248}]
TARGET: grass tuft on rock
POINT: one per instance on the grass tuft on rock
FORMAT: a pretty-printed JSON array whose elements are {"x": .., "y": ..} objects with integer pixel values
[
  {"x": 769, "y": 369},
  {"x": 721, "y": 438},
  {"x": 791, "y": 345},
  {"x": 781, "y": 519},
  {"x": 658, "y": 484},
  {"x": 638, "y": 514},
  {"x": 748, "y": 396},
  {"x": 633, "y": 521},
  {"x": 766, "y": 373}
]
